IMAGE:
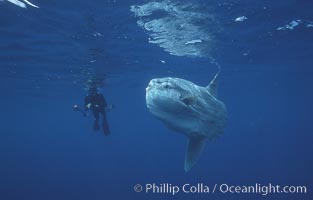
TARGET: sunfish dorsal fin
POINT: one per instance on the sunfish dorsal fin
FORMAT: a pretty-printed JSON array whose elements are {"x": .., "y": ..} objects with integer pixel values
[
  {"x": 31, "y": 4},
  {"x": 22, "y": 3},
  {"x": 212, "y": 87},
  {"x": 18, "y": 3},
  {"x": 195, "y": 147}
]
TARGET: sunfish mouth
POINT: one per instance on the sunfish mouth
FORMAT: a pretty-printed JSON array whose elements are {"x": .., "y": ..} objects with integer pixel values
[
  {"x": 150, "y": 85},
  {"x": 148, "y": 88}
]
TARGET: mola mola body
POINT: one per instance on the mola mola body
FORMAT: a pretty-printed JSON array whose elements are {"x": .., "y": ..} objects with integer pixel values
[{"x": 189, "y": 109}]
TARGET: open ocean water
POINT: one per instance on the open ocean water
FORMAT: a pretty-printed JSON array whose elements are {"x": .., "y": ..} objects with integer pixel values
[{"x": 47, "y": 55}]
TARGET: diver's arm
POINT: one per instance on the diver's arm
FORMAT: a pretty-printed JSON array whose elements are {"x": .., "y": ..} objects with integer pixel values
[
  {"x": 105, "y": 105},
  {"x": 109, "y": 107},
  {"x": 103, "y": 101},
  {"x": 87, "y": 103}
]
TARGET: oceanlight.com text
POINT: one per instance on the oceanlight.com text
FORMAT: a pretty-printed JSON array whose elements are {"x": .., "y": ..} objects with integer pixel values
[{"x": 202, "y": 188}]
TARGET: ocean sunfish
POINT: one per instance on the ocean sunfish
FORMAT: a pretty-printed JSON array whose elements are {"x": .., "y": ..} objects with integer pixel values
[{"x": 190, "y": 109}]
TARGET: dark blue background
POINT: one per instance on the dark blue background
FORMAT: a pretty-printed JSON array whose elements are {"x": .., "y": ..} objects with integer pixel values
[{"x": 47, "y": 151}]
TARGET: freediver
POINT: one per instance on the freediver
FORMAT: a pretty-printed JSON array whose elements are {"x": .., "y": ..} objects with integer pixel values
[{"x": 96, "y": 102}]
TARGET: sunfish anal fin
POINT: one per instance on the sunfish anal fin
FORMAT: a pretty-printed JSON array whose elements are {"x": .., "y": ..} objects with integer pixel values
[{"x": 195, "y": 146}]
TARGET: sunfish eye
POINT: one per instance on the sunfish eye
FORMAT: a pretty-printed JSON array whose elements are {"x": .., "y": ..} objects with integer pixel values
[{"x": 166, "y": 85}]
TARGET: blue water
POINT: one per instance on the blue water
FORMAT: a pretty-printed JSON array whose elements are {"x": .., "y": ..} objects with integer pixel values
[{"x": 47, "y": 54}]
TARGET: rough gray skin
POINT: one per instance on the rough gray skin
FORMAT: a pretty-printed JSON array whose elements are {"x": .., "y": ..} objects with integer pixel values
[{"x": 188, "y": 108}]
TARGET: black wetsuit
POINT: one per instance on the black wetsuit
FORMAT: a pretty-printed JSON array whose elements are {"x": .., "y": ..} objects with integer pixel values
[{"x": 98, "y": 105}]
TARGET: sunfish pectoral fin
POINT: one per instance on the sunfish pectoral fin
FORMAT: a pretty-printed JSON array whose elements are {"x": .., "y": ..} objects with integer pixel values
[
  {"x": 188, "y": 100},
  {"x": 195, "y": 146},
  {"x": 212, "y": 87}
]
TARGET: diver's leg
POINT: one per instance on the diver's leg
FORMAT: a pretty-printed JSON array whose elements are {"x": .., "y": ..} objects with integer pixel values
[
  {"x": 105, "y": 124},
  {"x": 96, "y": 115}
]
